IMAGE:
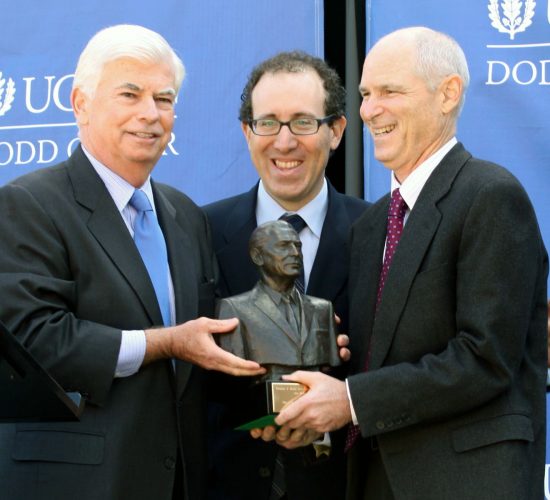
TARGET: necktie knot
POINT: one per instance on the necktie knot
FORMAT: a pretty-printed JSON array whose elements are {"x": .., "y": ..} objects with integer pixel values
[
  {"x": 140, "y": 201},
  {"x": 295, "y": 221},
  {"x": 398, "y": 207}
]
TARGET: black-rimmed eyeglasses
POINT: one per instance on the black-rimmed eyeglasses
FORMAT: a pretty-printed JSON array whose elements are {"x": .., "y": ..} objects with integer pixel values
[{"x": 298, "y": 126}]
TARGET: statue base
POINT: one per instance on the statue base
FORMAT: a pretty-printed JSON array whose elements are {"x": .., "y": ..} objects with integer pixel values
[{"x": 269, "y": 398}]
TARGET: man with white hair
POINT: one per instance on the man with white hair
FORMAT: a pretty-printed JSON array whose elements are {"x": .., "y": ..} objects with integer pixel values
[
  {"x": 447, "y": 302},
  {"x": 103, "y": 273}
]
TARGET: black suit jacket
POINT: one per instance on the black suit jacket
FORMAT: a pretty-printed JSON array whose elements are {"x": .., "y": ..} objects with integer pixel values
[
  {"x": 241, "y": 467},
  {"x": 455, "y": 391},
  {"x": 71, "y": 279}
]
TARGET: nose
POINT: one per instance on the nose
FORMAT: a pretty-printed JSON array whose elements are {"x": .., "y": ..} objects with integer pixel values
[
  {"x": 285, "y": 140},
  {"x": 370, "y": 108},
  {"x": 148, "y": 109},
  {"x": 295, "y": 249}
]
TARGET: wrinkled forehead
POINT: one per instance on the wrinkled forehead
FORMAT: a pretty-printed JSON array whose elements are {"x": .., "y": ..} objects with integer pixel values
[{"x": 386, "y": 64}]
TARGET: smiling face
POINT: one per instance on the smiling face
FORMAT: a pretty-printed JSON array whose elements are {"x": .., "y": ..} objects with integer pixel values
[
  {"x": 407, "y": 120},
  {"x": 128, "y": 121},
  {"x": 292, "y": 167}
]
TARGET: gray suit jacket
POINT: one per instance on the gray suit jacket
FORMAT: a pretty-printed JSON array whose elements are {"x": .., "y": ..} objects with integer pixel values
[
  {"x": 455, "y": 391},
  {"x": 71, "y": 279}
]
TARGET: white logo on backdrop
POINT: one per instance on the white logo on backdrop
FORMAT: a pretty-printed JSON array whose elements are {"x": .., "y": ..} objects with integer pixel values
[
  {"x": 518, "y": 63},
  {"x": 38, "y": 140},
  {"x": 511, "y": 21},
  {"x": 6, "y": 94}
]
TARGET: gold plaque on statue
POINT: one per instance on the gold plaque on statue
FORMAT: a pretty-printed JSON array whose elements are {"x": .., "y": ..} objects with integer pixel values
[{"x": 275, "y": 396}]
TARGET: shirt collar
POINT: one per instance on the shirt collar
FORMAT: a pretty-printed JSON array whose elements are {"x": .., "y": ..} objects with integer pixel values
[
  {"x": 313, "y": 213},
  {"x": 120, "y": 190},
  {"x": 413, "y": 184},
  {"x": 276, "y": 296}
]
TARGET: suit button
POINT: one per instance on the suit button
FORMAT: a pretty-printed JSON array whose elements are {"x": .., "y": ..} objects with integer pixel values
[
  {"x": 264, "y": 472},
  {"x": 169, "y": 463},
  {"x": 380, "y": 425}
]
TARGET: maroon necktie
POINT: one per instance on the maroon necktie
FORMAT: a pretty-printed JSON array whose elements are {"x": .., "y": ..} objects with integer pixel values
[{"x": 396, "y": 216}]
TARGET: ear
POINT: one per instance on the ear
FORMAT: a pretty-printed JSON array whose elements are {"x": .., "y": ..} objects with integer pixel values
[
  {"x": 451, "y": 90},
  {"x": 256, "y": 257},
  {"x": 80, "y": 104},
  {"x": 337, "y": 131},
  {"x": 247, "y": 131}
]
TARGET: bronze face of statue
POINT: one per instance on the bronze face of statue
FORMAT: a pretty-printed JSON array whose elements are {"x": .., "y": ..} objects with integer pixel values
[{"x": 279, "y": 327}]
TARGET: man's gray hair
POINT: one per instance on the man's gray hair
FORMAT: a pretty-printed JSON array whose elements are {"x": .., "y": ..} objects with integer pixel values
[
  {"x": 123, "y": 40},
  {"x": 437, "y": 56}
]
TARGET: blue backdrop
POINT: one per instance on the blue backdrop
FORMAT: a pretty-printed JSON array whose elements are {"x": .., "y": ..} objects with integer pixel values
[
  {"x": 219, "y": 43},
  {"x": 505, "y": 118}
]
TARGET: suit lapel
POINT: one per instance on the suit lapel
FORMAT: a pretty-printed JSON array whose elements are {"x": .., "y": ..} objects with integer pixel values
[
  {"x": 109, "y": 229},
  {"x": 266, "y": 306},
  {"x": 241, "y": 221},
  {"x": 368, "y": 248},
  {"x": 418, "y": 233},
  {"x": 329, "y": 271}
]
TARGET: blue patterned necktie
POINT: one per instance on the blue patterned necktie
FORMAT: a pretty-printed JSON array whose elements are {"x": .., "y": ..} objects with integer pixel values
[
  {"x": 152, "y": 247},
  {"x": 298, "y": 224}
]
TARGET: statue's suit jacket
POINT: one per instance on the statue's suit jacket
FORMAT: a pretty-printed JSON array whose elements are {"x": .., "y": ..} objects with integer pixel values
[
  {"x": 455, "y": 390},
  {"x": 71, "y": 278},
  {"x": 264, "y": 335},
  {"x": 240, "y": 467}
]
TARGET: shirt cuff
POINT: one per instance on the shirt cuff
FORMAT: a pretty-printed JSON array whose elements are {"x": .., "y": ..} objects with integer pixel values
[
  {"x": 323, "y": 442},
  {"x": 353, "y": 415},
  {"x": 131, "y": 354}
]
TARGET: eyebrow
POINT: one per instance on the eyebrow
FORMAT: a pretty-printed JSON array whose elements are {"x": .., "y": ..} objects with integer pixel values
[
  {"x": 294, "y": 116},
  {"x": 137, "y": 88},
  {"x": 386, "y": 86}
]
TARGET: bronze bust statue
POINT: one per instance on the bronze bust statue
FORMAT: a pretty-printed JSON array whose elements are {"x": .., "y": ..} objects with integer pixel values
[{"x": 279, "y": 327}]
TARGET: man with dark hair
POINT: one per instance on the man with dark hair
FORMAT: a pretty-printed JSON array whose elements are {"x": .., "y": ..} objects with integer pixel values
[
  {"x": 296, "y": 62},
  {"x": 292, "y": 117}
]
